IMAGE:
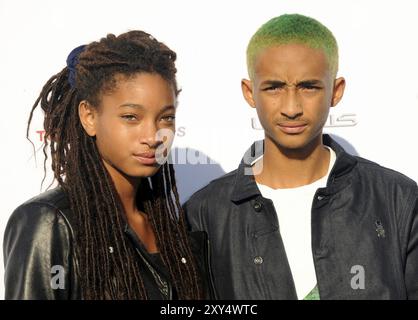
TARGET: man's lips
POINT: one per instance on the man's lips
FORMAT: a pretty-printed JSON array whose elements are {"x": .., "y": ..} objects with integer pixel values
[{"x": 292, "y": 127}]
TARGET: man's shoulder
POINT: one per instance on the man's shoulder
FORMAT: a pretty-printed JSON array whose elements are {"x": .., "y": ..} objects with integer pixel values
[
  {"x": 374, "y": 171},
  {"x": 210, "y": 200},
  {"x": 218, "y": 188}
]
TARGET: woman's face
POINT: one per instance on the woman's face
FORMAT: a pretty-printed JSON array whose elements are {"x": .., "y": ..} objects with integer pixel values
[{"x": 131, "y": 123}]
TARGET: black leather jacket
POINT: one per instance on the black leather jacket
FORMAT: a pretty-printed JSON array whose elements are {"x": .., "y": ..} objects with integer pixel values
[
  {"x": 366, "y": 217},
  {"x": 39, "y": 236}
]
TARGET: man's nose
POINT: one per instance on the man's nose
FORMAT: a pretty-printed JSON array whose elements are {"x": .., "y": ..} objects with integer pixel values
[{"x": 291, "y": 107}]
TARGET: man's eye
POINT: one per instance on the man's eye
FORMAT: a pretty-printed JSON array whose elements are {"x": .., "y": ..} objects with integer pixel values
[
  {"x": 169, "y": 118},
  {"x": 273, "y": 88},
  {"x": 308, "y": 87},
  {"x": 129, "y": 117}
]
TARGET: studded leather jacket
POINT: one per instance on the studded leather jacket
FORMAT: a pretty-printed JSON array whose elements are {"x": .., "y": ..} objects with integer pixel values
[
  {"x": 364, "y": 233},
  {"x": 39, "y": 241}
]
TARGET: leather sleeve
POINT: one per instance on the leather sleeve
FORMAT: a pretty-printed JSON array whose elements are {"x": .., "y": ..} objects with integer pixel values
[
  {"x": 36, "y": 250},
  {"x": 194, "y": 210},
  {"x": 200, "y": 248},
  {"x": 411, "y": 269}
]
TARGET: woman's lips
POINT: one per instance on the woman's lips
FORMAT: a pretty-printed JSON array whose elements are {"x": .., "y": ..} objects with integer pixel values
[
  {"x": 292, "y": 128},
  {"x": 146, "y": 158}
]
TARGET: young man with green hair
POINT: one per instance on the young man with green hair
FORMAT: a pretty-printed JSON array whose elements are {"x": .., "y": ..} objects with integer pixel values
[{"x": 301, "y": 218}]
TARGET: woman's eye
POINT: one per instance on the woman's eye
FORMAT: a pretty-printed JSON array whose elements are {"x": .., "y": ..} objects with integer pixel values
[{"x": 129, "y": 117}]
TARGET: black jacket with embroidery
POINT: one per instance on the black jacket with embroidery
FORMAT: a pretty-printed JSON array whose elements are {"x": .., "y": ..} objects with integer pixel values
[
  {"x": 365, "y": 219},
  {"x": 39, "y": 242}
]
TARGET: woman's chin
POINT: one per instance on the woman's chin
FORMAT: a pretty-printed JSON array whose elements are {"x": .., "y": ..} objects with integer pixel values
[{"x": 145, "y": 171}]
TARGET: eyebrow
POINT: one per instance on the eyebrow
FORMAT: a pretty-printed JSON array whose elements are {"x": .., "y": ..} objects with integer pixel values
[
  {"x": 131, "y": 105},
  {"x": 138, "y": 106},
  {"x": 302, "y": 83}
]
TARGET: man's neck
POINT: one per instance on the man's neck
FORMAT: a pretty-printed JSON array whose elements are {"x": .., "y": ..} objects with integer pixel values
[{"x": 284, "y": 168}]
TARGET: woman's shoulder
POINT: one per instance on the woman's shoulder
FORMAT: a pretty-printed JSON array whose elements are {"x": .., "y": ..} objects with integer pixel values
[
  {"x": 49, "y": 207},
  {"x": 37, "y": 238},
  {"x": 55, "y": 198}
]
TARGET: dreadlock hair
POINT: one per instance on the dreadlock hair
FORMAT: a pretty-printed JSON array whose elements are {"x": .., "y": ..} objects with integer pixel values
[{"x": 78, "y": 169}]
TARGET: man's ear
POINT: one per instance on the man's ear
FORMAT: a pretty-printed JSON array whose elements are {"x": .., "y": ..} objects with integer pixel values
[
  {"x": 247, "y": 91},
  {"x": 88, "y": 117},
  {"x": 338, "y": 91}
]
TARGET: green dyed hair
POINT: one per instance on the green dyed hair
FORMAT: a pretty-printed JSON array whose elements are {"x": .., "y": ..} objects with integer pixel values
[{"x": 293, "y": 28}]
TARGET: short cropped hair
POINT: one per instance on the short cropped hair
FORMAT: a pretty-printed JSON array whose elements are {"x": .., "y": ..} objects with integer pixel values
[{"x": 293, "y": 28}]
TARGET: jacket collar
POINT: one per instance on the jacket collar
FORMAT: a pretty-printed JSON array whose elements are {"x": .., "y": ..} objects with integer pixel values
[{"x": 245, "y": 186}]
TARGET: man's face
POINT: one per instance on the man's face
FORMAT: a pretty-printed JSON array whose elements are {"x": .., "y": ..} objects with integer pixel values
[{"x": 292, "y": 91}]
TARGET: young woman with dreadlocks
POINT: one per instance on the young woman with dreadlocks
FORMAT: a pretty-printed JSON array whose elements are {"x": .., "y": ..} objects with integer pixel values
[{"x": 113, "y": 228}]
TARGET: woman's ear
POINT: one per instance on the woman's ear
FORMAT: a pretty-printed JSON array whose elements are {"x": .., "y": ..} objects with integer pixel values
[{"x": 88, "y": 117}]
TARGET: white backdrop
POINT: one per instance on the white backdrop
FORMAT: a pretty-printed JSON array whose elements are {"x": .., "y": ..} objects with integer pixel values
[{"x": 378, "y": 57}]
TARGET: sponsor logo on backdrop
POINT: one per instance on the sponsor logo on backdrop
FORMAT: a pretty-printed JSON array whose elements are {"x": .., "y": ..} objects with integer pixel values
[{"x": 341, "y": 120}]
